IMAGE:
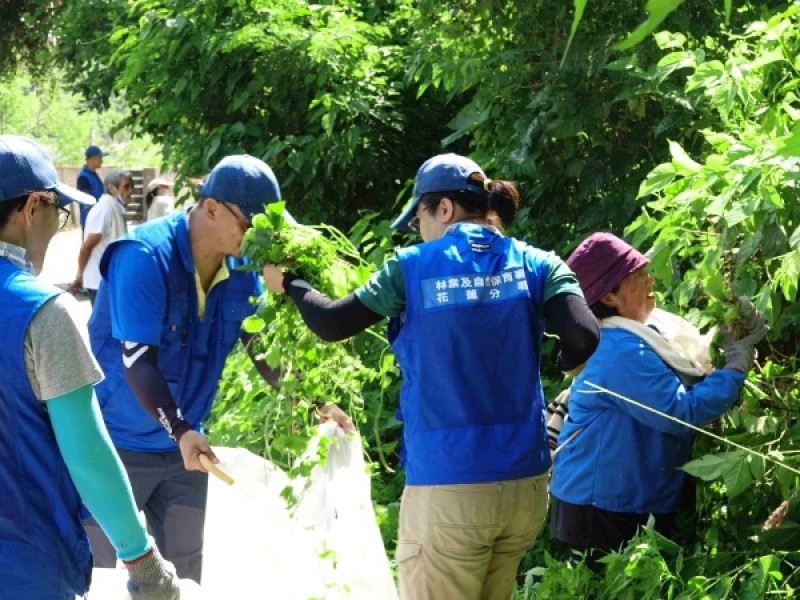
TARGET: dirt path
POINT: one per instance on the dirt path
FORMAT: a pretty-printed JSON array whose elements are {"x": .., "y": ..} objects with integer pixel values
[{"x": 61, "y": 262}]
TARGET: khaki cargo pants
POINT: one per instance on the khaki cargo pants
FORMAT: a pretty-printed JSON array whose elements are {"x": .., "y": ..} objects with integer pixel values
[{"x": 465, "y": 542}]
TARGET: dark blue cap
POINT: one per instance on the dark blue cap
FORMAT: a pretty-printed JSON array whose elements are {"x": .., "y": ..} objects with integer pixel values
[
  {"x": 94, "y": 151},
  {"x": 442, "y": 173},
  {"x": 25, "y": 168},
  {"x": 242, "y": 180}
]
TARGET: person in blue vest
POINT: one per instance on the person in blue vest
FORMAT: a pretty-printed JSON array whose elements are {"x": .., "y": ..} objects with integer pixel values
[
  {"x": 619, "y": 462},
  {"x": 168, "y": 312},
  {"x": 54, "y": 448},
  {"x": 89, "y": 181},
  {"x": 467, "y": 309}
]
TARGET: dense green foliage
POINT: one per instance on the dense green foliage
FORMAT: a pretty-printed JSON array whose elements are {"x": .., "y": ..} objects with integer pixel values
[{"x": 687, "y": 140}]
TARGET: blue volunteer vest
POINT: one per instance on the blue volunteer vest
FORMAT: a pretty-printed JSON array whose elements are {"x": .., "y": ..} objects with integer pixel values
[
  {"x": 96, "y": 189},
  {"x": 468, "y": 346},
  {"x": 192, "y": 352},
  {"x": 44, "y": 551}
]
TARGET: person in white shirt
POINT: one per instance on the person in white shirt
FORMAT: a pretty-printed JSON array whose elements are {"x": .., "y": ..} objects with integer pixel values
[
  {"x": 158, "y": 199},
  {"x": 104, "y": 224}
]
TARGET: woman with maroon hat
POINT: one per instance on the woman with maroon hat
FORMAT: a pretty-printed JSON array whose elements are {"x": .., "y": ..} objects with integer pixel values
[{"x": 618, "y": 462}]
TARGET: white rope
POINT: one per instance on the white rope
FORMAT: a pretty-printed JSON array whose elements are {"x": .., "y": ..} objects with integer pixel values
[{"x": 719, "y": 438}]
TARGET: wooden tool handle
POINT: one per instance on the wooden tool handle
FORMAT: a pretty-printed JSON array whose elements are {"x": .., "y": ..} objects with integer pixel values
[{"x": 215, "y": 470}]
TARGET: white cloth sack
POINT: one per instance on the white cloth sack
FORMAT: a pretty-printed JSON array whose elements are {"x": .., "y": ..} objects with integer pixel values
[{"x": 329, "y": 546}]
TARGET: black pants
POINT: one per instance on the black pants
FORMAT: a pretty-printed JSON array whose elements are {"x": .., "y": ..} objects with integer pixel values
[
  {"x": 174, "y": 504},
  {"x": 597, "y": 532}
]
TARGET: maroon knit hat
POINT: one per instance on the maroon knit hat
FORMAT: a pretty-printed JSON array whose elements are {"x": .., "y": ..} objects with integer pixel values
[{"x": 601, "y": 262}]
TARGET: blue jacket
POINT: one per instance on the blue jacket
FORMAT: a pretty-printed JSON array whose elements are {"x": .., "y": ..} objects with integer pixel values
[
  {"x": 44, "y": 551},
  {"x": 163, "y": 312},
  {"x": 469, "y": 351},
  {"x": 96, "y": 189},
  {"x": 625, "y": 458}
]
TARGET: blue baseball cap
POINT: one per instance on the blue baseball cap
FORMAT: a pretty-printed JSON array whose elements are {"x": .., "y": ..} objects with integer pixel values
[
  {"x": 442, "y": 173},
  {"x": 25, "y": 168},
  {"x": 94, "y": 151},
  {"x": 242, "y": 180}
]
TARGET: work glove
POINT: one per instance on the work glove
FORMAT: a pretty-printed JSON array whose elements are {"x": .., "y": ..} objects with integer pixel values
[
  {"x": 151, "y": 577},
  {"x": 741, "y": 335}
]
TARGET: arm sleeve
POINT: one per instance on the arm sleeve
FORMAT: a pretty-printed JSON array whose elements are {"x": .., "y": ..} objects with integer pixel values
[
  {"x": 331, "y": 320},
  {"x": 98, "y": 220},
  {"x": 97, "y": 471},
  {"x": 151, "y": 389},
  {"x": 578, "y": 331},
  {"x": 268, "y": 374}
]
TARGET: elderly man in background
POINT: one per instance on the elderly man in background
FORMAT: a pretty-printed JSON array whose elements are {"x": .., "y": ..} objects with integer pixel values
[{"x": 104, "y": 224}]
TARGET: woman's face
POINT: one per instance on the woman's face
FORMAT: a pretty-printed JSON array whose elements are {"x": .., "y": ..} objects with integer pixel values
[
  {"x": 429, "y": 226},
  {"x": 634, "y": 297}
]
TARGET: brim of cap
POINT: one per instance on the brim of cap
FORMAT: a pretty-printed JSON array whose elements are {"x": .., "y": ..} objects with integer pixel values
[
  {"x": 68, "y": 194},
  {"x": 401, "y": 222}
]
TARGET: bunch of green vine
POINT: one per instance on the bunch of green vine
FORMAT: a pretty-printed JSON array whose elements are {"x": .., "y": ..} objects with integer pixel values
[{"x": 312, "y": 371}]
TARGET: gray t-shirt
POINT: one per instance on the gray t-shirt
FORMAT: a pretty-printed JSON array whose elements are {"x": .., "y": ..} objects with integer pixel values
[{"x": 58, "y": 358}]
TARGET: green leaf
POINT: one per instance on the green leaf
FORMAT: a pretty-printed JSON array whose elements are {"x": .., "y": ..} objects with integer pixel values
[
  {"x": 657, "y": 180},
  {"x": 580, "y": 6},
  {"x": 707, "y": 468},
  {"x": 683, "y": 163},
  {"x": 253, "y": 324},
  {"x": 657, "y": 11},
  {"x": 736, "y": 474}
]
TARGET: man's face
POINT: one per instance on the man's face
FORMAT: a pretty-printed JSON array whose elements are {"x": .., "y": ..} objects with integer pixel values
[
  {"x": 125, "y": 190},
  {"x": 94, "y": 162},
  {"x": 233, "y": 224}
]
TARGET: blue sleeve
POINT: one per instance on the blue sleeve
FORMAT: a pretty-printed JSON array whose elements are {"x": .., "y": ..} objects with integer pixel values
[
  {"x": 97, "y": 471},
  {"x": 632, "y": 369},
  {"x": 137, "y": 295}
]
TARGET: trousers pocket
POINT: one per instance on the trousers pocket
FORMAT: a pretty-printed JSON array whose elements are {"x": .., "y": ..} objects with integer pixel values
[{"x": 406, "y": 551}]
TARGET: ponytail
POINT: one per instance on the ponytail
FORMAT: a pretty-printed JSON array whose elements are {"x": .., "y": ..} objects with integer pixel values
[{"x": 503, "y": 197}]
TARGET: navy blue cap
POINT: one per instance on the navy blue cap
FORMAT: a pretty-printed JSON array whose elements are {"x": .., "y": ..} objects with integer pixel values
[
  {"x": 25, "y": 168},
  {"x": 442, "y": 173},
  {"x": 242, "y": 180},
  {"x": 94, "y": 151}
]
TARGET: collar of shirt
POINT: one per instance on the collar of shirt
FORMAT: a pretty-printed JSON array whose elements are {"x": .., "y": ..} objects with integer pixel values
[
  {"x": 467, "y": 224},
  {"x": 16, "y": 255},
  {"x": 221, "y": 275}
]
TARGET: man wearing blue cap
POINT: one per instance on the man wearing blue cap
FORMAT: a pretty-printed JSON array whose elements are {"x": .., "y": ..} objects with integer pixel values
[
  {"x": 54, "y": 448},
  {"x": 168, "y": 312},
  {"x": 88, "y": 180}
]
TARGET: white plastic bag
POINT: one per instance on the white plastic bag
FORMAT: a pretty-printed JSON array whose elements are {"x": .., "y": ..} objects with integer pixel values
[{"x": 328, "y": 547}]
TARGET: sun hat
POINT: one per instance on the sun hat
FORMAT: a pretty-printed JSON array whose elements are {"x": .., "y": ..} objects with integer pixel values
[
  {"x": 25, "y": 167},
  {"x": 601, "y": 262},
  {"x": 442, "y": 173},
  {"x": 242, "y": 180},
  {"x": 94, "y": 151},
  {"x": 158, "y": 182}
]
